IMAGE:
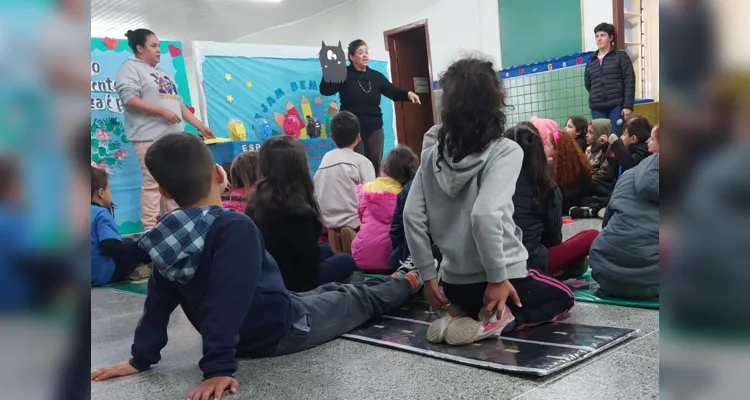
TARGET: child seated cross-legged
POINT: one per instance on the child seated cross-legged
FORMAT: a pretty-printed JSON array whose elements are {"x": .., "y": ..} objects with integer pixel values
[
  {"x": 462, "y": 196},
  {"x": 624, "y": 258},
  {"x": 341, "y": 171},
  {"x": 244, "y": 172},
  {"x": 602, "y": 170},
  {"x": 377, "y": 200},
  {"x": 211, "y": 262},
  {"x": 284, "y": 209},
  {"x": 538, "y": 212},
  {"x": 576, "y": 128},
  {"x": 112, "y": 257}
]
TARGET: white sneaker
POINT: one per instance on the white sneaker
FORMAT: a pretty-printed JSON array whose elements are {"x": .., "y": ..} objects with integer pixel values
[
  {"x": 467, "y": 330},
  {"x": 436, "y": 331}
]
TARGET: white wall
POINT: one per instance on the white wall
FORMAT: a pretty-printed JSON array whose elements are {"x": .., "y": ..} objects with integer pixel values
[
  {"x": 593, "y": 13},
  {"x": 455, "y": 27}
]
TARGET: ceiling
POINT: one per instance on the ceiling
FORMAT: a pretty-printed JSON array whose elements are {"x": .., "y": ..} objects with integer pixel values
[{"x": 211, "y": 20}]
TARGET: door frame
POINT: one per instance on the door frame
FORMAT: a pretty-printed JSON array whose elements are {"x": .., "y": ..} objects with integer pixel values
[{"x": 394, "y": 71}]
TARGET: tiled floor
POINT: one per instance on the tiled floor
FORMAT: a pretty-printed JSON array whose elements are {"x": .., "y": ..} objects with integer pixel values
[{"x": 347, "y": 370}]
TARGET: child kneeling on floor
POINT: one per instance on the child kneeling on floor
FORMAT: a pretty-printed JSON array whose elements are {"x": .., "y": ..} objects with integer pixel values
[
  {"x": 211, "y": 262},
  {"x": 462, "y": 196},
  {"x": 377, "y": 200},
  {"x": 283, "y": 207},
  {"x": 112, "y": 260},
  {"x": 624, "y": 259}
]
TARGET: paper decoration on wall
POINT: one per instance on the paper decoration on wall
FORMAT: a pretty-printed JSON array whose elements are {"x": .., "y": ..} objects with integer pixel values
[
  {"x": 249, "y": 84},
  {"x": 110, "y": 43},
  {"x": 174, "y": 51},
  {"x": 230, "y": 98},
  {"x": 333, "y": 63}
]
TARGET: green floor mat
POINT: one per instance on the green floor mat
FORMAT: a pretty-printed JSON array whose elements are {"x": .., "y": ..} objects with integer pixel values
[
  {"x": 586, "y": 289},
  {"x": 130, "y": 287}
]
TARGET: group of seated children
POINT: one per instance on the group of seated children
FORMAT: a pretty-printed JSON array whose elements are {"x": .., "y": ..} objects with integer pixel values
[
  {"x": 213, "y": 263},
  {"x": 483, "y": 205}
]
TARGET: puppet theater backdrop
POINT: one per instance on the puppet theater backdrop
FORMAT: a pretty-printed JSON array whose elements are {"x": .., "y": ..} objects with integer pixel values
[
  {"x": 110, "y": 149},
  {"x": 249, "y": 81}
]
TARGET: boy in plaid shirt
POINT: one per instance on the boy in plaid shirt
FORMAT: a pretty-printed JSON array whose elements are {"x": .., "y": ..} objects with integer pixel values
[{"x": 212, "y": 262}]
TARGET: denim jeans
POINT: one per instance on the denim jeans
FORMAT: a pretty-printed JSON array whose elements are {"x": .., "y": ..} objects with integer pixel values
[
  {"x": 612, "y": 114},
  {"x": 331, "y": 310},
  {"x": 334, "y": 268}
]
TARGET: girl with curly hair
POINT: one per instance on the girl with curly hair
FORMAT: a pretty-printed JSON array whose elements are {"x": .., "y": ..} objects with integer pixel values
[
  {"x": 462, "y": 197},
  {"x": 571, "y": 170}
]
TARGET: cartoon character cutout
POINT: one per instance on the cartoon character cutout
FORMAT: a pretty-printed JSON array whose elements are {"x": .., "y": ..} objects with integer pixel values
[
  {"x": 333, "y": 63},
  {"x": 165, "y": 84}
]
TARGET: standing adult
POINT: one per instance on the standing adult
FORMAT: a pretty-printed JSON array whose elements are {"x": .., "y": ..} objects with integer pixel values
[
  {"x": 360, "y": 94},
  {"x": 153, "y": 108},
  {"x": 610, "y": 79}
]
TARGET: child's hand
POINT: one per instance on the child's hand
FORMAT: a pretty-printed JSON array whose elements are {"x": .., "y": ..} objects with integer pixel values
[
  {"x": 603, "y": 139},
  {"x": 214, "y": 386},
  {"x": 114, "y": 371},
  {"x": 496, "y": 295},
  {"x": 612, "y": 138},
  {"x": 432, "y": 294}
]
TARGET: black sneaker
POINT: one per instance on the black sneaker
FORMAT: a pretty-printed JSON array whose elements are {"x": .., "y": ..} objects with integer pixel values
[
  {"x": 580, "y": 212},
  {"x": 575, "y": 270}
]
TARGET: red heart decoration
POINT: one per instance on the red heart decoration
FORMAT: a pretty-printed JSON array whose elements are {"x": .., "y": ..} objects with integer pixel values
[
  {"x": 520, "y": 71},
  {"x": 579, "y": 60},
  {"x": 174, "y": 51},
  {"x": 192, "y": 109},
  {"x": 110, "y": 43}
]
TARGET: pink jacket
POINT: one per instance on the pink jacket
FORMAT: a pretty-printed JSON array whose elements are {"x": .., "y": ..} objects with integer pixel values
[
  {"x": 372, "y": 245},
  {"x": 234, "y": 200}
]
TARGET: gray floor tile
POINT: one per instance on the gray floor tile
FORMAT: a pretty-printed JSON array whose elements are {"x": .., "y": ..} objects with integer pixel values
[
  {"x": 107, "y": 303},
  {"x": 646, "y": 346},
  {"x": 572, "y": 228},
  {"x": 646, "y": 321},
  {"x": 615, "y": 376},
  {"x": 338, "y": 370}
]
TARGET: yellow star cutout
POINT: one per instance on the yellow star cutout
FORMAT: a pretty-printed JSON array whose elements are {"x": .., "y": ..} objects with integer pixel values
[
  {"x": 249, "y": 84},
  {"x": 228, "y": 77},
  {"x": 230, "y": 98}
]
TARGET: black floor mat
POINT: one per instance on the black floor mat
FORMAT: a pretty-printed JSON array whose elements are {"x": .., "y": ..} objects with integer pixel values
[{"x": 539, "y": 351}]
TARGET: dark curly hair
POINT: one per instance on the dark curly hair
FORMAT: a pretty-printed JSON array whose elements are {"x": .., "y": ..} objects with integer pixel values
[
  {"x": 473, "y": 109},
  {"x": 534, "y": 166},
  {"x": 570, "y": 165}
]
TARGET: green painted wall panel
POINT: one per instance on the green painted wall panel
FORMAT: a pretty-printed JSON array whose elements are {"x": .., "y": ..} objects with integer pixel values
[{"x": 538, "y": 30}]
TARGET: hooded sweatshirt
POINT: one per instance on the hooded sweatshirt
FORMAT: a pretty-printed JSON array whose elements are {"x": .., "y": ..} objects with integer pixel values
[
  {"x": 135, "y": 78},
  {"x": 467, "y": 208},
  {"x": 627, "y": 249},
  {"x": 211, "y": 261},
  {"x": 602, "y": 169}
]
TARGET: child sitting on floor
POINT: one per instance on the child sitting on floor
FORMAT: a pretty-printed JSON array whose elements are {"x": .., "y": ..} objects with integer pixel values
[
  {"x": 230, "y": 288},
  {"x": 576, "y": 128},
  {"x": 571, "y": 170},
  {"x": 462, "y": 196},
  {"x": 377, "y": 200},
  {"x": 284, "y": 209},
  {"x": 603, "y": 171},
  {"x": 538, "y": 212},
  {"x": 630, "y": 149},
  {"x": 244, "y": 172},
  {"x": 341, "y": 171},
  {"x": 112, "y": 259},
  {"x": 624, "y": 258}
]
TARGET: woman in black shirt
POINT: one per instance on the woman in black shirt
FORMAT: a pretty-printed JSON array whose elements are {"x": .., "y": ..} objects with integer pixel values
[{"x": 360, "y": 95}]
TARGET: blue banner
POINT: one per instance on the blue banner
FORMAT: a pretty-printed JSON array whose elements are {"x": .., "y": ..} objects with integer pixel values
[
  {"x": 247, "y": 88},
  {"x": 315, "y": 149}
]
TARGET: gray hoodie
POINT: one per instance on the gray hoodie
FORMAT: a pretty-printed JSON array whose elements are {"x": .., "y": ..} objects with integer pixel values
[
  {"x": 627, "y": 249},
  {"x": 467, "y": 208},
  {"x": 153, "y": 85}
]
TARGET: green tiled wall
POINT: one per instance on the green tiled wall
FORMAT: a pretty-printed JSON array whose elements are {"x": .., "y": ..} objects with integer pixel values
[{"x": 555, "y": 95}]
